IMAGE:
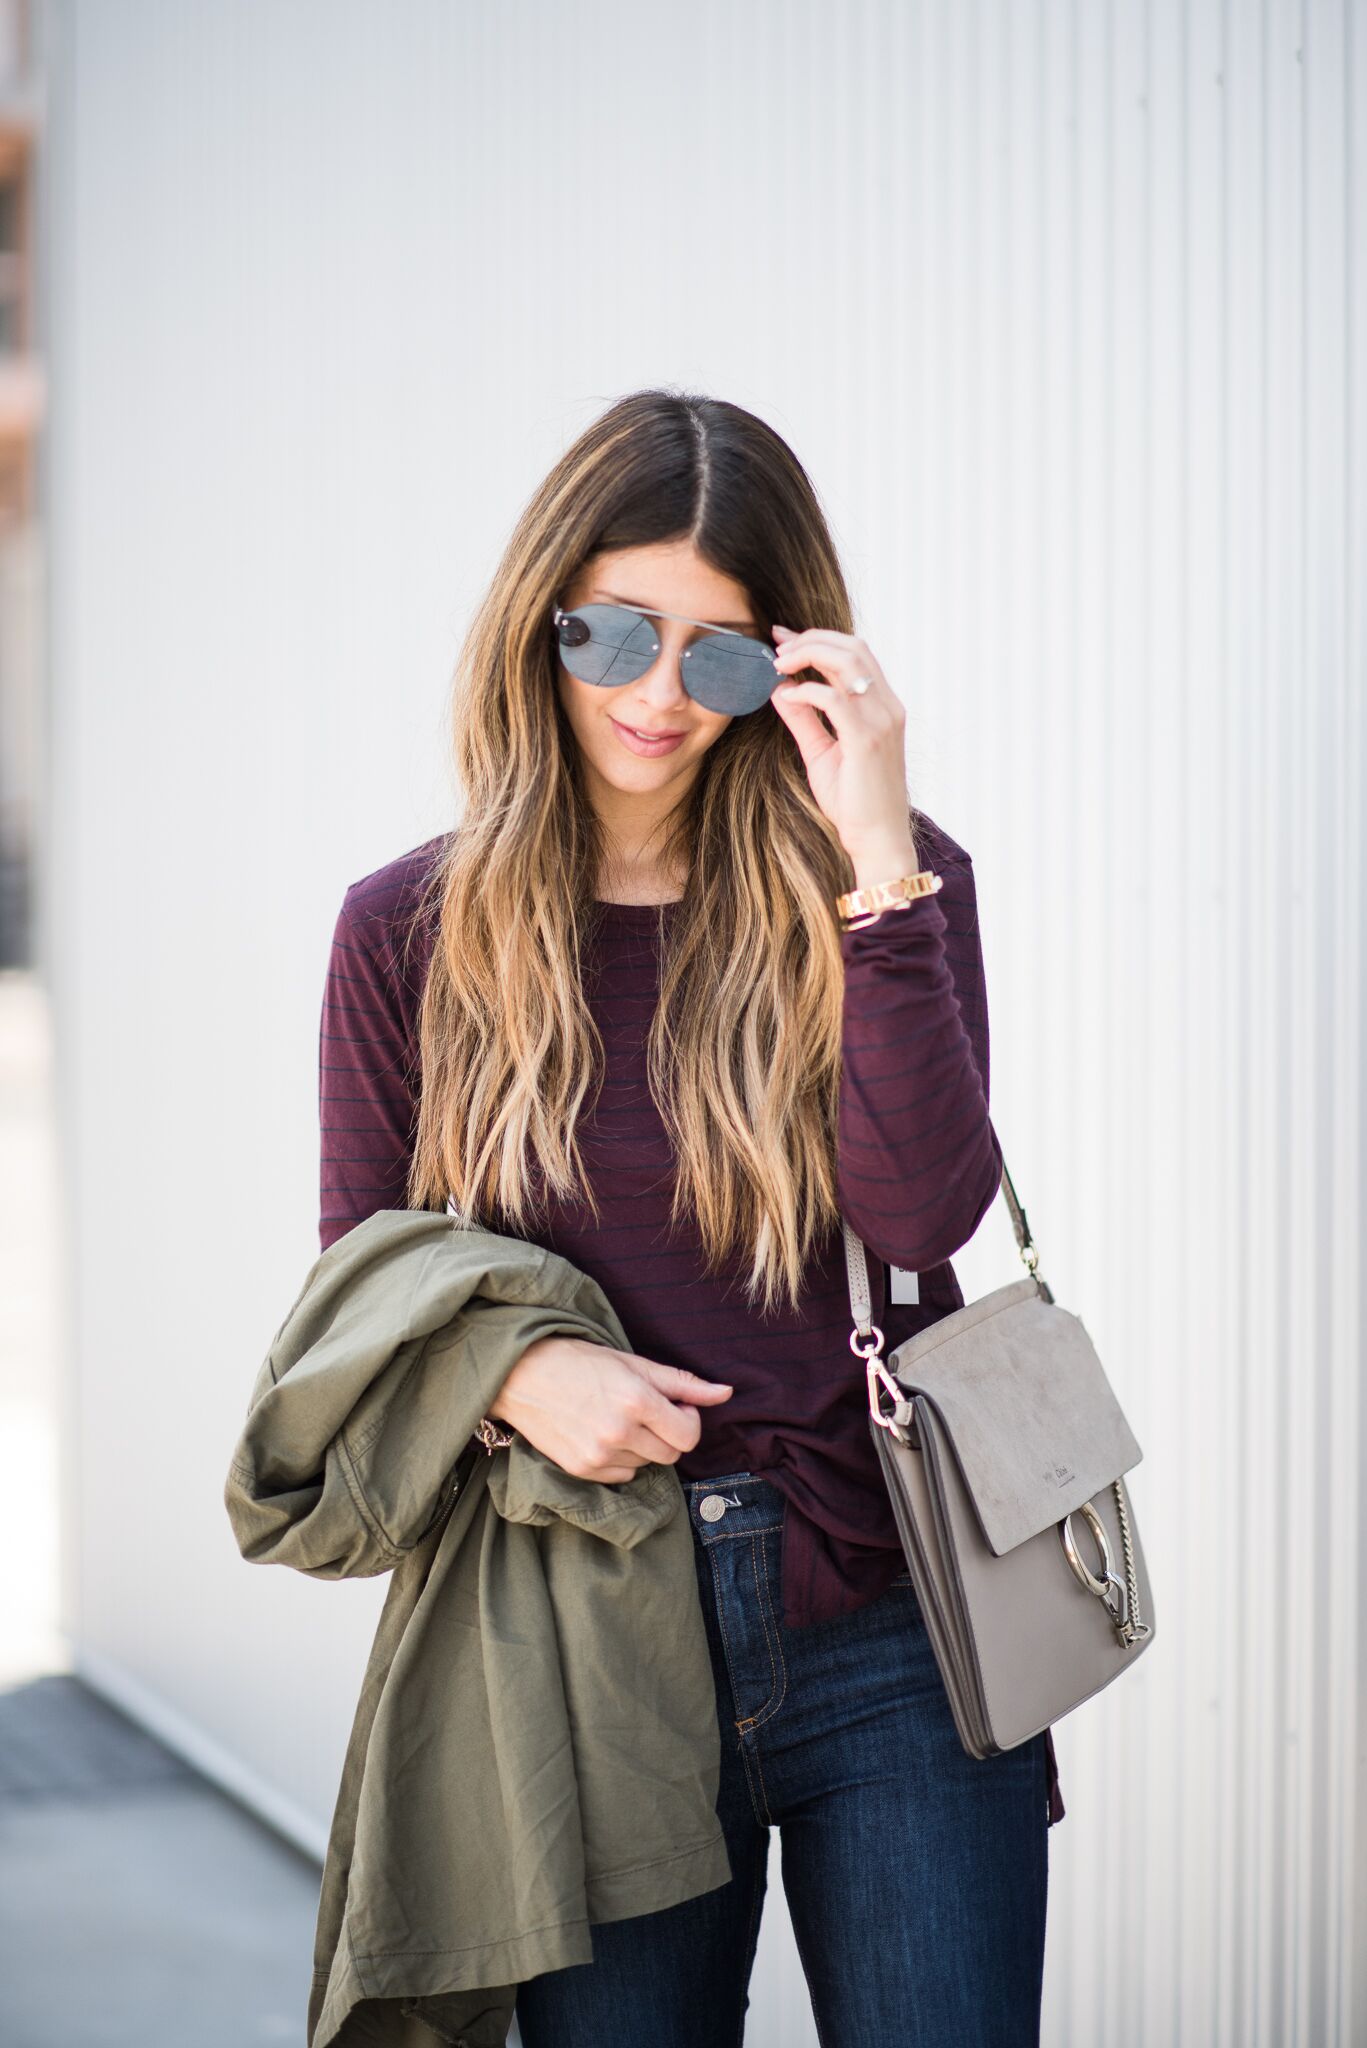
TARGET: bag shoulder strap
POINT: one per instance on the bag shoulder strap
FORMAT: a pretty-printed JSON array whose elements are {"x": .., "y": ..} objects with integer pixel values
[{"x": 856, "y": 1261}]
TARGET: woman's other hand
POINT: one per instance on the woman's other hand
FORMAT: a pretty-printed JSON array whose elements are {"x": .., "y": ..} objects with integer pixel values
[
  {"x": 599, "y": 1413},
  {"x": 856, "y": 764}
]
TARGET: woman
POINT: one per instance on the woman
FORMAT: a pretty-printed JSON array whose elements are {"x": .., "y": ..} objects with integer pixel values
[{"x": 616, "y": 1011}]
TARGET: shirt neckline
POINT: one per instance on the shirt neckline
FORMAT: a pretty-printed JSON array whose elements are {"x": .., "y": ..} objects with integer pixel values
[{"x": 636, "y": 909}]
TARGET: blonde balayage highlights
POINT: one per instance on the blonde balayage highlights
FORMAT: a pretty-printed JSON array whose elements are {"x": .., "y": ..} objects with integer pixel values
[{"x": 744, "y": 1049}]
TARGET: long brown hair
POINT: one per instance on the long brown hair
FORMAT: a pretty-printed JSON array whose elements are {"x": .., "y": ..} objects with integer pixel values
[{"x": 744, "y": 1049}]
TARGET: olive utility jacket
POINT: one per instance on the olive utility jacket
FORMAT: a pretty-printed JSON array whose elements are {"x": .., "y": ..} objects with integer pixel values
[{"x": 536, "y": 1744}]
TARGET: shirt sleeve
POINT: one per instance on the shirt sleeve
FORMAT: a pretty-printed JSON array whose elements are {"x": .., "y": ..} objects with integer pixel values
[
  {"x": 367, "y": 1101},
  {"x": 918, "y": 1165}
]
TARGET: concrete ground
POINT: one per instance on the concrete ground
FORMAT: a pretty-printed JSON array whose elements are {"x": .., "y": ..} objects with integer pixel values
[{"x": 139, "y": 1905}]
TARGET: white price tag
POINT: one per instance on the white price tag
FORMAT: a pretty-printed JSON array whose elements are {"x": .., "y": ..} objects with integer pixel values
[{"x": 903, "y": 1285}]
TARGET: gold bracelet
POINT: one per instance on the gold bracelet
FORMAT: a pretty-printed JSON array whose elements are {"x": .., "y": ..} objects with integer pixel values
[
  {"x": 867, "y": 905},
  {"x": 491, "y": 1436}
]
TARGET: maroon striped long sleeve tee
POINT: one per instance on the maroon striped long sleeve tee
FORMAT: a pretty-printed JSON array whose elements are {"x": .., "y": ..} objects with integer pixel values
[{"x": 917, "y": 1169}]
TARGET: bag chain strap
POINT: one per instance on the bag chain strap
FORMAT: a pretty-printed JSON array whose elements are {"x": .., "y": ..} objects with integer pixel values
[{"x": 1120, "y": 1599}]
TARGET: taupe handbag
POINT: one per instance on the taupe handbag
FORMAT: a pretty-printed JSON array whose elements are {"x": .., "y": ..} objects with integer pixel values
[{"x": 1004, "y": 1452}]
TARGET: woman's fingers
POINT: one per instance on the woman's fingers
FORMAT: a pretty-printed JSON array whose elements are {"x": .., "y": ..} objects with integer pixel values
[
  {"x": 601, "y": 1413},
  {"x": 677, "y": 1383},
  {"x": 664, "y": 1408},
  {"x": 841, "y": 657}
]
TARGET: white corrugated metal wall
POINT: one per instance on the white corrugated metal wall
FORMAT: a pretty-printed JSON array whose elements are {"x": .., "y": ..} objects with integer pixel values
[{"x": 1063, "y": 305}]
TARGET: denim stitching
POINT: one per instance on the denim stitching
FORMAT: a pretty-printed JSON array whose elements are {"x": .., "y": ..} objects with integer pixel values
[
  {"x": 753, "y": 1720},
  {"x": 772, "y": 1705},
  {"x": 720, "y": 1605},
  {"x": 759, "y": 1766},
  {"x": 760, "y": 1806}
]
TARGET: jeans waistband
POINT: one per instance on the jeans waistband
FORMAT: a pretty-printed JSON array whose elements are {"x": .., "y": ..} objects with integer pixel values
[{"x": 733, "y": 1504}]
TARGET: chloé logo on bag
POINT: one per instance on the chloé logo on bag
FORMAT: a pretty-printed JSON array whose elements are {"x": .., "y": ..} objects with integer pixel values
[{"x": 1059, "y": 1474}]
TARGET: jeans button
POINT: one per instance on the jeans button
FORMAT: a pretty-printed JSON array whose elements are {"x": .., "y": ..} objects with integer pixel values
[{"x": 711, "y": 1507}]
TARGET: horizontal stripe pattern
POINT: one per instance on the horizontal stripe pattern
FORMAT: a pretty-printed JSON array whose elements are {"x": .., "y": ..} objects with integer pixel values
[{"x": 917, "y": 1169}]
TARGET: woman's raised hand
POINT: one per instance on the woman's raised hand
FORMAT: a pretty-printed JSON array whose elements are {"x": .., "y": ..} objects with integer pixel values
[{"x": 599, "y": 1413}]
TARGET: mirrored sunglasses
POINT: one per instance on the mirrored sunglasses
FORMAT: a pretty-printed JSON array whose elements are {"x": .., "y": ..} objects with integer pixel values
[{"x": 609, "y": 645}]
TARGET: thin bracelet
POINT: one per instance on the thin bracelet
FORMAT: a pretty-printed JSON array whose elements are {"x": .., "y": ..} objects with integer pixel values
[
  {"x": 492, "y": 1437},
  {"x": 865, "y": 906}
]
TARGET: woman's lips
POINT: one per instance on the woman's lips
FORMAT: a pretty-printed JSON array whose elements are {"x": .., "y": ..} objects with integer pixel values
[{"x": 635, "y": 744}]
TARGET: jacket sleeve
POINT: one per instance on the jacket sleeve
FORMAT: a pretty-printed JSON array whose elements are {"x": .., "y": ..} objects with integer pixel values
[
  {"x": 337, "y": 1475},
  {"x": 350, "y": 1451},
  {"x": 918, "y": 1165},
  {"x": 367, "y": 1099}
]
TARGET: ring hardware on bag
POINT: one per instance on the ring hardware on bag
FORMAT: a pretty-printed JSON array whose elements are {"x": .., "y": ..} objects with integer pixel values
[{"x": 1004, "y": 1452}]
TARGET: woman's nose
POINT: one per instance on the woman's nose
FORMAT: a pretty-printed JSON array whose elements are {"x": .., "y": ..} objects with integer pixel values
[{"x": 664, "y": 678}]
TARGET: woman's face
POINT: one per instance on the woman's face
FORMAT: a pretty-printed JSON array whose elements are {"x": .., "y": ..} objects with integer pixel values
[{"x": 669, "y": 577}]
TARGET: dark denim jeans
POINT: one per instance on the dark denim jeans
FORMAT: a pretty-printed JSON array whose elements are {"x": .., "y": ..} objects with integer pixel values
[{"x": 916, "y": 1876}]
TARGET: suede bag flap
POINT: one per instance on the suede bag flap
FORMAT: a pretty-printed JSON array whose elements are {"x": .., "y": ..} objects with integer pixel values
[{"x": 1014, "y": 1384}]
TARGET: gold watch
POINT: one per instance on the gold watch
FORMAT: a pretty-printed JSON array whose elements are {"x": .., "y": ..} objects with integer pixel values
[{"x": 868, "y": 904}]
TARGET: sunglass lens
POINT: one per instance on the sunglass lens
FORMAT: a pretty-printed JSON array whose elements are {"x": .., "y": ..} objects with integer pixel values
[
  {"x": 605, "y": 643},
  {"x": 728, "y": 673}
]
